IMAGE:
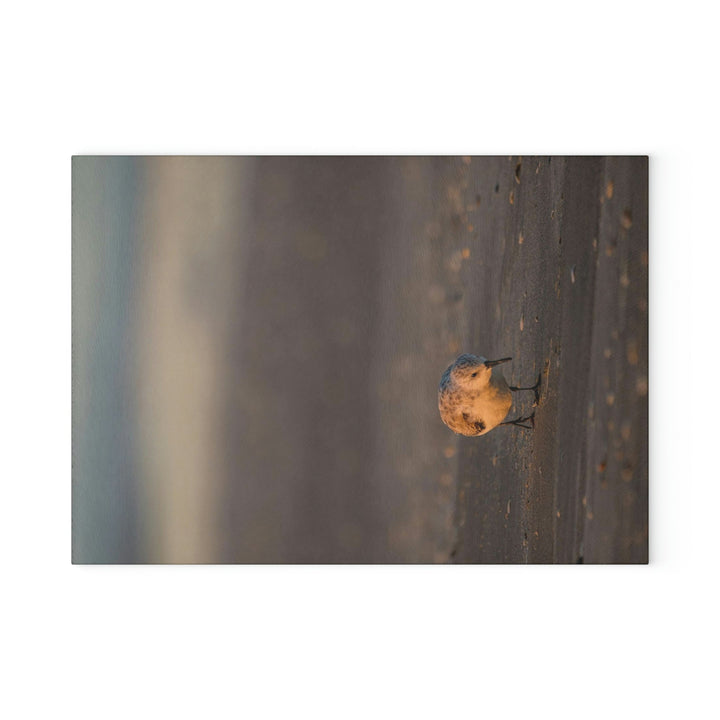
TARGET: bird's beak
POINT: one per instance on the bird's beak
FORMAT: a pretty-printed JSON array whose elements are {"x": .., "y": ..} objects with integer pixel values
[{"x": 493, "y": 363}]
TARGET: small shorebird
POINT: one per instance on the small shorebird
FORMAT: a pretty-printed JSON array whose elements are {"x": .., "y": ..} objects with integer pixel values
[{"x": 473, "y": 398}]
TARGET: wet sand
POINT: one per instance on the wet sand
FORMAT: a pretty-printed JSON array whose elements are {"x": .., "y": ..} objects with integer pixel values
[{"x": 565, "y": 281}]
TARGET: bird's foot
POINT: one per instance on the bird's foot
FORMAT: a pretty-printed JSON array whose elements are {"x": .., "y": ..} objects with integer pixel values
[
  {"x": 535, "y": 388},
  {"x": 518, "y": 422}
]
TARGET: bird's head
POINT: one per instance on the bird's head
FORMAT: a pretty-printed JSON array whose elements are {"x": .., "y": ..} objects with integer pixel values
[{"x": 473, "y": 371}]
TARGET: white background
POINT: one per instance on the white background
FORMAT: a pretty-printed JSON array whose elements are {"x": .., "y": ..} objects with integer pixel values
[{"x": 339, "y": 642}]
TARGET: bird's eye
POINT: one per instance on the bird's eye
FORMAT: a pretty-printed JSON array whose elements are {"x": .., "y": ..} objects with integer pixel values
[{"x": 474, "y": 374}]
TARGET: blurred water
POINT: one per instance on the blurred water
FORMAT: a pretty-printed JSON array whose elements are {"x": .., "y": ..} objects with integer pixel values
[
  {"x": 106, "y": 193},
  {"x": 251, "y": 361}
]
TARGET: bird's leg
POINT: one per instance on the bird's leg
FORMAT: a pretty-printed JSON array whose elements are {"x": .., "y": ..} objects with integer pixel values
[
  {"x": 518, "y": 422},
  {"x": 535, "y": 388}
]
